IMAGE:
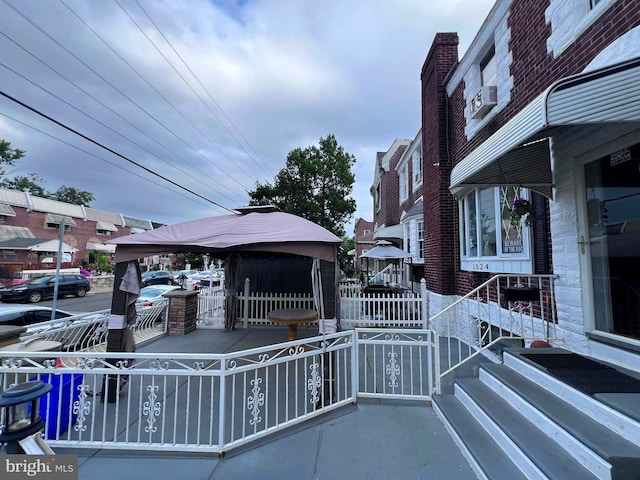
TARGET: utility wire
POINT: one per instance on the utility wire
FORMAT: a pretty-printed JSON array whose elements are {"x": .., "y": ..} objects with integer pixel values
[
  {"x": 103, "y": 159},
  {"x": 167, "y": 101},
  {"x": 154, "y": 140},
  {"x": 262, "y": 163},
  {"x": 148, "y": 170},
  {"x": 184, "y": 80},
  {"x": 113, "y": 86},
  {"x": 108, "y": 127}
]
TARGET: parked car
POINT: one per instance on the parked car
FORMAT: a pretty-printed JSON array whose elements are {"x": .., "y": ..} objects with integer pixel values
[
  {"x": 38, "y": 288},
  {"x": 183, "y": 273},
  {"x": 159, "y": 277},
  {"x": 22, "y": 316},
  {"x": 196, "y": 281},
  {"x": 151, "y": 295}
]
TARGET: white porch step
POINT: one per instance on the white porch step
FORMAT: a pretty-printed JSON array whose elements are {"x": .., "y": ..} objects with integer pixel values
[{"x": 538, "y": 424}]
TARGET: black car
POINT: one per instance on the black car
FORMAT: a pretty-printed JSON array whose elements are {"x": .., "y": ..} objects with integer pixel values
[
  {"x": 37, "y": 288},
  {"x": 160, "y": 277},
  {"x": 24, "y": 316}
]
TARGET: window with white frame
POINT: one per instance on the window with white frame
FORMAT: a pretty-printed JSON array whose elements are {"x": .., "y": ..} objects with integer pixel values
[
  {"x": 376, "y": 198},
  {"x": 416, "y": 165},
  {"x": 403, "y": 184},
  {"x": 407, "y": 237},
  {"x": 366, "y": 231},
  {"x": 420, "y": 239},
  {"x": 486, "y": 228}
]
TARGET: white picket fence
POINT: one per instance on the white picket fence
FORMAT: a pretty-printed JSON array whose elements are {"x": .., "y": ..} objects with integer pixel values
[{"x": 357, "y": 308}]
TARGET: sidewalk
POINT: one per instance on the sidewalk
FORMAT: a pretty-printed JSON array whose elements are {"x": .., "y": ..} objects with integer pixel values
[{"x": 369, "y": 440}]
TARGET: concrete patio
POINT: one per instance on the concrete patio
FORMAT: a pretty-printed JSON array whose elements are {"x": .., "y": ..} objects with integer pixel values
[{"x": 369, "y": 440}]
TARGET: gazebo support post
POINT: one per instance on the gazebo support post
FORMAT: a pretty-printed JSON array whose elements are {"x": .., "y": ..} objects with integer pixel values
[{"x": 117, "y": 340}]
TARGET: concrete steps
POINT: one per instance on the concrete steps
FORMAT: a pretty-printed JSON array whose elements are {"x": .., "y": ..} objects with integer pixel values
[{"x": 516, "y": 421}]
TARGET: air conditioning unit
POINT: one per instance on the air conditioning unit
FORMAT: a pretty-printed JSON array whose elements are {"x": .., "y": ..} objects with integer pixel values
[{"x": 483, "y": 101}]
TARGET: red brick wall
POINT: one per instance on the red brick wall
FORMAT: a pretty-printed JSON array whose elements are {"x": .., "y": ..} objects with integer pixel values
[
  {"x": 533, "y": 70},
  {"x": 77, "y": 235},
  {"x": 440, "y": 217}
]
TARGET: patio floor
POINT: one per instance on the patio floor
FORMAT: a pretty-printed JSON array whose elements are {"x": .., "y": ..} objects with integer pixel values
[{"x": 369, "y": 440}]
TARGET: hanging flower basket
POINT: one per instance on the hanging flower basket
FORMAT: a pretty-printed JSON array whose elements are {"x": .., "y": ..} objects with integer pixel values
[{"x": 522, "y": 208}]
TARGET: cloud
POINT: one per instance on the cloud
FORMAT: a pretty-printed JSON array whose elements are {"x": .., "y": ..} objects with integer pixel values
[{"x": 276, "y": 75}]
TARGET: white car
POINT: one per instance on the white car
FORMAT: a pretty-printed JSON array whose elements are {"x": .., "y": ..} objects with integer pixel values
[
  {"x": 152, "y": 294},
  {"x": 194, "y": 280}
]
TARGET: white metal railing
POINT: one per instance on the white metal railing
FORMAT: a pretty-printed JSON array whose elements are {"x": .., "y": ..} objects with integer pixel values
[
  {"x": 396, "y": 364},
  {"x": 387, "y": 275},
  {"x": 211, "y": 308},
  {"x": 215, "y": 402},
  {"x": 506, "y": 310},
  {"x": 88, "y": 331}
]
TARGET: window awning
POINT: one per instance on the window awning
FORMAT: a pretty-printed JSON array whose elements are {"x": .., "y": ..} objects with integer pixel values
[
  {"x": 57, "y": 219},
  {"x": 110, "y": 227},
  {"x": 100, "y": 247},
  {"x": 518, "y": 153},
  {"x": 392, "y": 231},
  {"x": 6, "y": 210}
]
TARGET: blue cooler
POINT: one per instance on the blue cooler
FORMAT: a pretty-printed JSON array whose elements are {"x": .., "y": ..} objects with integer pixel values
[{"x": 65, "y": 392}]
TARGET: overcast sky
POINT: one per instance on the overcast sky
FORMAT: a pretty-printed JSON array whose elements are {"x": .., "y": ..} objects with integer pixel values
[{"x": 270, "y": 76}]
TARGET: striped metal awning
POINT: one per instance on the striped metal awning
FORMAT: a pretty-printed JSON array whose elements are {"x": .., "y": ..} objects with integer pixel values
[
  {"x": 7, "y": 210},
  {"x": 110, "y": 227},
  {"x": 57, "y": 219},
  {"x": 518, "y": 153}
]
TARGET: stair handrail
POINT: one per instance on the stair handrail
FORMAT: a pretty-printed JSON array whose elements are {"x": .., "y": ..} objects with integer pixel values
[{"x": 496, "y": 277}]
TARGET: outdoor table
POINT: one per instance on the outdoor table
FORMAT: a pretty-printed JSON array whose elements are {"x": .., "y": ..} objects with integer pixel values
[{"x": 292, "y": 317}]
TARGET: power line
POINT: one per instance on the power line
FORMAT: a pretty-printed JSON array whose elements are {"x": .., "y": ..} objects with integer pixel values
[
  {"x": 184, "y": 81},
  {"x": 100, "y": 158},
  {"x": 263, "y": 165},
  {"x": 114, "y": 87},
  {"x": 167, "y": 101},
  {"x": 148, "y": 170},
  {"x": 108, "y": 127}
]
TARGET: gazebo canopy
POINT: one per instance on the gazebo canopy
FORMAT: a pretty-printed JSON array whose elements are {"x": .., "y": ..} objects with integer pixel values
[{"x": 252, "y": 232}]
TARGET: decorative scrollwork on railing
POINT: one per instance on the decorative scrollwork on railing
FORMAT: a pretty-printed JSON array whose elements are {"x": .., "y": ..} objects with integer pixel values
[
  {"x": 152, "y": 409},
  {"x": 264, "y": 357},
  {"x": 393, "y": 369},
  {"x": 12, "y": 362},
  {"x": 255, "y": 401},
  {"x": 159, "y": 365},
  {"x": 82, "y": 408},
  {"x": 49, "y": 363},
  {"x": 392, "y": 337},
  {"x": 314, "y": 383},
  {"x": 232, "y": 364},
  {"x": 198, "y": 366},
  {"x": 296, "y": 350}
]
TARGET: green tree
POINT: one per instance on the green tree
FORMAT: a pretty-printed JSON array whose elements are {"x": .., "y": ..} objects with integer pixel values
[
  {"x": 316, "y": 184},
  {"x": 72, "y": 195},
  {"x": 346, "y": 260},
  {"x": 31, "y": 183},
  {"x": 8, "y": 155}
]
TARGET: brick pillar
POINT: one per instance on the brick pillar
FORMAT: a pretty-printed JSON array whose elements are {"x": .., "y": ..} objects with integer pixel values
[
  {"x": 183, "y": 310},
  {"x": 440, "y": 219}
]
